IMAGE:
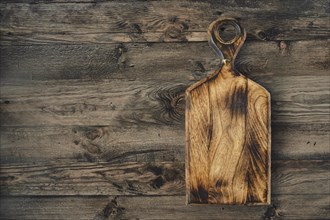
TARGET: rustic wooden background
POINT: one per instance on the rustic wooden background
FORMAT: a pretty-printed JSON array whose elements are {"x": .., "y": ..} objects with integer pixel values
[{"x": 92, "y": 106}]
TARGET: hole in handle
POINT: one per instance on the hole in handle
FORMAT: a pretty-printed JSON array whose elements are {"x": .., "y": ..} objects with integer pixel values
[
  {"x": 228, "y": 32},
  {"x": 226, "y": 36}
]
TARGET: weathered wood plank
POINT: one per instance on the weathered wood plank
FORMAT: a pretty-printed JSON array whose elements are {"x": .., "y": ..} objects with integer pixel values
[
  {"x": 304, "y": 141},
  {"x": 155, "y": 21},
  {"x": 159, "y": 207},
  {"x": 124, "y": 102},
  {"x": 93, "y": 179},
  {"x": 56, "y": 178},
  {"x": 159, "y": 61},
  {"x": 138, "y": 143},
  {"x": 149, "y": 143}
]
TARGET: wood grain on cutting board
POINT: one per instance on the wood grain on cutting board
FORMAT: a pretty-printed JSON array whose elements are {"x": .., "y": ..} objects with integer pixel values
[
  {"x": 228, "y": 122},
  {"x": 227, "y": 131}
]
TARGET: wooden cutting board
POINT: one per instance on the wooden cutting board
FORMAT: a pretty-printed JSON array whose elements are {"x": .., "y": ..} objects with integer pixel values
[{"x": 228, "y": 133}]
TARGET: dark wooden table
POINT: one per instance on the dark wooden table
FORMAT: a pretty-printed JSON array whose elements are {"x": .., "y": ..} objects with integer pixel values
[{"x": 92, "y": 105}]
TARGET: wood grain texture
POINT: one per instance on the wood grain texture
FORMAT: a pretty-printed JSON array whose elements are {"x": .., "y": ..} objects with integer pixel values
[
  {"x": 146, "y": 143},
  {"x": 156, "y": 21},
  {"x": 81, "y": 102},
  {"x": 158, "y": 207},
  {"x": 91, "y": 105},
  {"x": 261, "y": 61},
  {"x": 130, "y": 178},
  {"x": 227, "y": 132}
]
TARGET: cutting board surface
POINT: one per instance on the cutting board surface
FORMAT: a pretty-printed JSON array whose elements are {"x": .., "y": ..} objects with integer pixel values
[{"x": 227, "y": 132}]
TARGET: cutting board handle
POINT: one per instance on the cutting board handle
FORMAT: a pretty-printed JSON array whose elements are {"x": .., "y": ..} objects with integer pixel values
[{"x": 225, "y": 48}]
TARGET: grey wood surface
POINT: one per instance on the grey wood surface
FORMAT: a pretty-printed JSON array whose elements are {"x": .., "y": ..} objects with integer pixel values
[
  {"x": 92, "y": 105},
  {"x": 130, "y": 178},
  {"x": 154, "y": 21},
  {"x": 159, "y": 207}
]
